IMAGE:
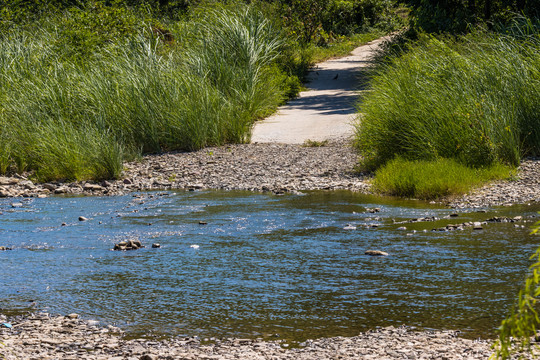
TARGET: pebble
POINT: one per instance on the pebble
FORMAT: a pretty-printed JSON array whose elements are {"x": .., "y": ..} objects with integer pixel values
[
  {"x": 128, "y": 245},
  {"x": 524, "y": 189}
]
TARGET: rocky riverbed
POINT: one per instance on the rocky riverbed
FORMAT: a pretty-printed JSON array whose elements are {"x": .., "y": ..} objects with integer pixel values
[
  {"x": 265, "y": 167},
  {"x": 41, "y": 336}
]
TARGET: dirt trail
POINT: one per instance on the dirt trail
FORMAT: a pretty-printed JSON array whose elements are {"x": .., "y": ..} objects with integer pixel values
[{"x": 327, "y": 109}]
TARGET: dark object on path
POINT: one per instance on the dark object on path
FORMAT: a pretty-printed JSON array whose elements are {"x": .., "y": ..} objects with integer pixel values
[{"x": 335, "y": 77}]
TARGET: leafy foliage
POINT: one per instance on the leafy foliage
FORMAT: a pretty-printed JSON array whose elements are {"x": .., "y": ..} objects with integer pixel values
[
  {"x": 517, "y": 331},
  {"x": 456, "y": 16},
  {"x": 66, "y": 116}
]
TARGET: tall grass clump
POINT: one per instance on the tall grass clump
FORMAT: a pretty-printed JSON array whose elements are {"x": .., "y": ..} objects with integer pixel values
[
  {"x": 77, "y": 115},
  {"x": 235, "y": 51},
  {"x": 473, "y": 99},
  {"x": 426, "y": 180}
]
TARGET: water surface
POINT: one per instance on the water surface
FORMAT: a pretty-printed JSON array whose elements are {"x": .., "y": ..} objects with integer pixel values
[{"x": 264, "y": 265}]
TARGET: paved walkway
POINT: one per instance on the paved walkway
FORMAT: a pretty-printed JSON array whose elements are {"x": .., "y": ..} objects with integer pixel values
[{"x": 327, "y": 109}]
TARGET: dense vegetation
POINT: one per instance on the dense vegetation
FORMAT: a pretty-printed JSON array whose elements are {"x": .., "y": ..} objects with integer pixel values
[
  {"x": 472, "y": 98},
  {"x": 85, "y": 85},
  {"x": 458, "y": 16}
]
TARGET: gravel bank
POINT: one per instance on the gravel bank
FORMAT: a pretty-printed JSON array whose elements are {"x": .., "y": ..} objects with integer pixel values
[
  {"x": 266, "y": 167},
  {"x": 256, "y": 167},
  {"x": 42, "y": 336}
]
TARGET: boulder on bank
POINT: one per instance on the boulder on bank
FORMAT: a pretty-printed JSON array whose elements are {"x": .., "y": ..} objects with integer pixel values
[{"x": 128, "y": 245}]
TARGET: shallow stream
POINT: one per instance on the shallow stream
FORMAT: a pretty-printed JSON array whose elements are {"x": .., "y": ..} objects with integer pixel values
[{"x": 265, "y": 265}]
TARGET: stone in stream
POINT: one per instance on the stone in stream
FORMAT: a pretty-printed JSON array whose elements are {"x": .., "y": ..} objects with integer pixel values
[
  {"x": 4, "y": 248},
  {"x": 477, "y": 226},
  {"x": 156, "y": 245},
  {"x": 128, "y": 245},
  {"x": 82, "y": 218},
  {"x": 375, "y": 253}
]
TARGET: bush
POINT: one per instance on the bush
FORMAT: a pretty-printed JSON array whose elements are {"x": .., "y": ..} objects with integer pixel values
[
  {"x": 323, "y": 21},
  {"x": 473, "y": 99},
  {"x": 457, "y": 16}
]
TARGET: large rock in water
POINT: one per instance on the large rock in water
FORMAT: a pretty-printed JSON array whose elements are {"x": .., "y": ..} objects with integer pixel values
[{"x": 128, "y": 245}]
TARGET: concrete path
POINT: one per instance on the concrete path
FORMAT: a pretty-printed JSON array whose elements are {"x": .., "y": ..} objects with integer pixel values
[{"x": 327, "y": 109}]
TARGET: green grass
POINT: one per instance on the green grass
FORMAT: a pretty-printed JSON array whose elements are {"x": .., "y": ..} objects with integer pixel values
[
  {"x": 314, "y": 143},
  {"x": 473, "y": 99},
  {"x": 342, "y": 46},
  {"x": 422, "y": 179}
]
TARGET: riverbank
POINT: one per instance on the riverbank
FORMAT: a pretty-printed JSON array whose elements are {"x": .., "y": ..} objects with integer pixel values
[
  {"x": 68, "y": 337},
  {"x": 524, "y": 189},
  {"x": 276, "y": 168},
  {"x": 256, "y": 167}
]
